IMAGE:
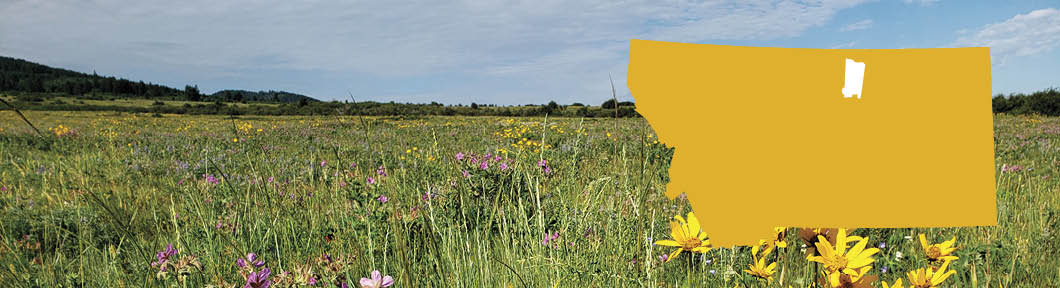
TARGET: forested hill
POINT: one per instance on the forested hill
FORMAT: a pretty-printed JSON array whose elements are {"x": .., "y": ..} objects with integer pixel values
[
  {"x": 260, "y": 96},
  {"x": 17, "y": 75}
]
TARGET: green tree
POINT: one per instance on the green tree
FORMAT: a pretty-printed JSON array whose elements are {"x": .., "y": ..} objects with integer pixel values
[{"x": 191, "y": 93}]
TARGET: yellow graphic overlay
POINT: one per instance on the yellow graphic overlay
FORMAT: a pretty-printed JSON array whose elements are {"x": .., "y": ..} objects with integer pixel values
[{"x": 764, "y": 137}]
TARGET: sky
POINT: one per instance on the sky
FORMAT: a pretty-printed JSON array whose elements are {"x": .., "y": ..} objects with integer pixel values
[{"x": 494, "y": 52}]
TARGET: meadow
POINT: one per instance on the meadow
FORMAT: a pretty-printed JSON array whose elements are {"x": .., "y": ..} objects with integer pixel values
[{"x": 108, "y": 199}]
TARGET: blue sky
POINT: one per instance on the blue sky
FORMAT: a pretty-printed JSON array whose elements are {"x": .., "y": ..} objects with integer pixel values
[{"x": 500, "y": 52}]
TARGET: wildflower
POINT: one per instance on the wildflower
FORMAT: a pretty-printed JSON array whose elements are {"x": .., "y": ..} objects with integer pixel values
[
  {"x": 897, "y": 284},
  {"x": 842, "y": 280},
  {"x": 381, "y": 171},
  {"x": 3, "y": 189},
  {"x": 687, "y": 236},
  {"x": 941, "y": 251},
  {"x": 549, "y": 238},
  {"x": 485, "y": 165},
  {"x": 460, "y": 156},
  {"x": 929, "y": 278},
  {"x": 780, "y": 241},
  {"x": 210, "y": 179},
  {"x": 466, "y": 175},
  {"x": 504, "y": 166},
  {"x": 759, "y": 268},
  {"x": 897, "y": 255},
  {"x": 1010, "y": 168},
  {"x": 259, "y": 279},
  {"x": 163, "y": 257},
  {"x": 371, "y": 180},
  {"x": 809, "y": 237},
  {"x": 664, "y": 257},
  {"x": 838, "y": 259},
  {"x": 323, "y": 163},
  {"x": 377, "y": 280},
  {"x": 271, "y": 179},
  {"x": 382, "y": 199},
  {"x": 251, "y": 259}
]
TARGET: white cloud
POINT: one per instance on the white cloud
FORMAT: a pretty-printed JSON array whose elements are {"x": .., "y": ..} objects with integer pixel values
[
  {"x": 844, "y": 45},
  {"x": 860, "y": 25},
  {"x": 561, "y": 44},
  {"x": 921, "y": 2},
  {"x": 1025, "y": 34}
]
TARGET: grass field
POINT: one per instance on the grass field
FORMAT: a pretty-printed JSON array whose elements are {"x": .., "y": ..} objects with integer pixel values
[{"x": 432, "y": 202}]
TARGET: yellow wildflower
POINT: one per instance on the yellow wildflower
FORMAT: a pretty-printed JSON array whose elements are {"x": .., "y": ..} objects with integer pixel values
[{"x": 686, "y": 235}]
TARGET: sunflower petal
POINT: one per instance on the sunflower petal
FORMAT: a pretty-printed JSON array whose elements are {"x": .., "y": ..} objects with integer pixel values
[{"x": 668, "y": 242}]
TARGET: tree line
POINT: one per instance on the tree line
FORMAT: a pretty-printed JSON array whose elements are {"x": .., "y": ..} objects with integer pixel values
[
  {"x": 1045, "y": 102},
  {"x": 610, "y": 108}
]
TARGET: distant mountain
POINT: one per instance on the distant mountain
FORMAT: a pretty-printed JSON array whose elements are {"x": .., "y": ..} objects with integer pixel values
[
  {"x": 17, "y": 75},
  {"x": 260, "y": 96}
]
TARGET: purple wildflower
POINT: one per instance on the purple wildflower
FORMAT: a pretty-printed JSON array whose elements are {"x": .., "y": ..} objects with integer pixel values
[
  {"x": 342, "y": 183},
  {"x": 371, "y": 180},
  {"x": 259, "y": 279},
  {"x": 504, "y": 166},
  {"x": 383, "y": 199},
  {"x": 381, "y": 171},
  {"x": 466, "y": 175},
  {"x": 252, "y": 259},
  {"x": 485, "y": 165},
  {"x": 460, "y": 156},
  {"x": 883, "y": 270},
  {"x": 377, "y": 280},
  {"x": 549, "y": 238},
  {"x": 271, "y": 179},
  {"x": 664, "y": 257},
  {"x": 1011, "y": 168},
  {"x": 4, "y": 188},
  {"x": 163, "y": 257},
  {"x": 312, "y": 281},
  {"x": 210, "y": 179}
]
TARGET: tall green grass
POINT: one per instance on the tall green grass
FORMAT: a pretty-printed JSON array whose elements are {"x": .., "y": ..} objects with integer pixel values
[{"x": 103, "y": 201}]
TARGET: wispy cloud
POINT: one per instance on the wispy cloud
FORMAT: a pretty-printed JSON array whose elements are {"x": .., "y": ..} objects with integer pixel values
[
  {"x": 921, "y": 2},
  {"x": 844, "y": 45},
  {"x": 1025, "y": 34},
  {"x": 860, "y": 25}
]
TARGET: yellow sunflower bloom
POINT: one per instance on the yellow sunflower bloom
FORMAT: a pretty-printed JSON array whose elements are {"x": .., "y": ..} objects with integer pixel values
[
  {"x": 897, "y": 284},
  {"x": 686, "y": 235},
  {"x": 759, "y": 268},
  {"x": 839, "y": 279},
  {"x": 928, "y": 277},
  {"x": 839, "y": 259},
  {"x": 939, "y": 252},
  {"x": 781, "y": 239}
]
